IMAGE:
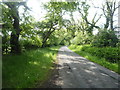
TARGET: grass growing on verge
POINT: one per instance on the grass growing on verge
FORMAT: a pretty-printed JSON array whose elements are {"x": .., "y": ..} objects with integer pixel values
[
  {"x": 23, "y": 71},
  {"x": 96, "y": 59}
]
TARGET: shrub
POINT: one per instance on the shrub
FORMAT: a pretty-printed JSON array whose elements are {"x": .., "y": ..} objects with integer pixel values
[
  {"x": 99, "y": 60},
  {"x": 105, "y": 38},
  {"x": 118, "y": 44},
  {"x": 31, "y": 42},
  {"x": 5, "y": 44},
  {"x": 109, "y": 53}
]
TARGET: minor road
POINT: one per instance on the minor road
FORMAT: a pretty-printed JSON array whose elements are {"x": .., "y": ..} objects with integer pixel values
[{"x": 78, "y": 72}]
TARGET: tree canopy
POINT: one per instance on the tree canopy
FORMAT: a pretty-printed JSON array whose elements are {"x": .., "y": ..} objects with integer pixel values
[{"x": 21, "y": 30}]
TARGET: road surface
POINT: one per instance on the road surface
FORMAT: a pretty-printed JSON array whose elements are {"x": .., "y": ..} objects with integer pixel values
[{"x": 78, "y": 72}]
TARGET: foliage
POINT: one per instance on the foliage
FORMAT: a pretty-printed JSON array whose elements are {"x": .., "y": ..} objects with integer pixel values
[
  {"x": 84, "y": 11},
  {"x": 81, "y": 50},
  {"x": 30, "y": 37},
  {"x": 81, "y": 38},
  {"x": 105, "y": 38},
  {"x": 55, "y": 38},
  {"x": 22, "y": 71},
  {"x": 60, "y": 37},
  {"x": 118, "y": 44},
  {"x": 27, "y": 69},
  {"x": 54, "y": 19},
  {"x": 65, "y": 6},
  {"x": 34, "y": 41},
  {"x": 109, "y": 8},
  {"x": 7, "y": 28},
  {"x": 11, "y": 27},
  {"x": 111, "y": 54}
]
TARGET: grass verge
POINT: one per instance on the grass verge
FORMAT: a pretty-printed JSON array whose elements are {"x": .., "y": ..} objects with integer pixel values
[
  {"x": 98, "y": 60},
  {"x": 25, "y": 70}
]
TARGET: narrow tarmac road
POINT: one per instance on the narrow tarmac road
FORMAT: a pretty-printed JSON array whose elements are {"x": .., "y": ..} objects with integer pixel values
[{"x": 78, "y": 72}]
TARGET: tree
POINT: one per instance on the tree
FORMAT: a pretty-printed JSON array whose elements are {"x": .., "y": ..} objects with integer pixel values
[
  {"x": 29, "y": 36},
  {"x": 54, "y": 18},
  {"x": 83, "y": 10},
  {"x": 14, "y": 39},
  {"x": 81, "y": 38},
  {"x": 48, "y": 27},
  {"x": 109, "y": 8}
]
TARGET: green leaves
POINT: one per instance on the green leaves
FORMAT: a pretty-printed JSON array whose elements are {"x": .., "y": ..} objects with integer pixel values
[
  {"x": 105, "y": 38},
  {"x": 109, "y": 53},
  {"x": 81, "y": 38},
  {"x": 60, "y": 6}
]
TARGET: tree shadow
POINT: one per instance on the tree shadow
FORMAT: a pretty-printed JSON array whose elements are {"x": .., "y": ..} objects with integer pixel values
[{"x": 78, "y": 72}]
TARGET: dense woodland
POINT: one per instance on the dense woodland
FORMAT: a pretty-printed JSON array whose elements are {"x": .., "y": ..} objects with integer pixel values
[{"x": 21, "y": 32}]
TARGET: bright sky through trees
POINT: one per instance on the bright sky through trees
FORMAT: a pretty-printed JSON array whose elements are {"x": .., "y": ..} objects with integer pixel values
[{"x": 38, "y": 12}]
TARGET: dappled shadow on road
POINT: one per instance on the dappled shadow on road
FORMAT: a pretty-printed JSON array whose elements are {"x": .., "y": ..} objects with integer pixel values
[
  {"x": 84, "y": 77},
  {"x": 51, "y": 82},
  {"x": 78, "y": 72}
]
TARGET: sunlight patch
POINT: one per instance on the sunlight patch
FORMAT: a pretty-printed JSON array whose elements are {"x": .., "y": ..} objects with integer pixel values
[{"x": 35, "y": 63}]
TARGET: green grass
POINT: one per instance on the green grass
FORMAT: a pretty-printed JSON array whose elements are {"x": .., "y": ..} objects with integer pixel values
[
  {"x": 29, "y": 68},
  {"x": 96, "y": 59}
]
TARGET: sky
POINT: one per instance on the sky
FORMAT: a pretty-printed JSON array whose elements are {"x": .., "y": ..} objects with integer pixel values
[{"x": 38, "y": 12}]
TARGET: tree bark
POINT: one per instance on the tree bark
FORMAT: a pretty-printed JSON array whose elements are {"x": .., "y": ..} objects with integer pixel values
[
  {"x": 47, "y": 35},
  {"x": 107, "y": 23},
  {"x": 14, "y": 40},
  {"x": 15, "y": 47},
  {"x": 45, "y": 39},
  {"x": 111, "y": 23}
]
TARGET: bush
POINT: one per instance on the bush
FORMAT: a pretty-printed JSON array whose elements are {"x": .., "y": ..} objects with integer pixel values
[
  {"x": 33, "y": 42},
  {"x": 5, "y": 44},
  {"x": 118, "y": 44},
  {"x": 105, "y": 38},
  {"x": 109, "y": 53},
  {"x": 82, "y": 50}
]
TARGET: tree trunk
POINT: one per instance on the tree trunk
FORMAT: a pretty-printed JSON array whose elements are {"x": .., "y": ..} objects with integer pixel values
[
  {"x": 107, "y": 23},
  {"x": 111, "y": 22},
  {"x": 15, "y": 47},
  {"x": 47, "y": 35},
  {"x": 45, "y": 38},
  {"x": 14, "y": 41},
  {"x": 44, "y": 41}
]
